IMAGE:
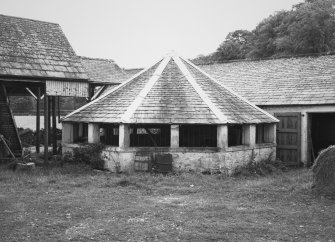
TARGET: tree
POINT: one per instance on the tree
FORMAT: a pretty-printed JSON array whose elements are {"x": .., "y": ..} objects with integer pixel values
[
  {"x": 265, "y": 36},
  {"x": 308, "y": 28},
  {"x": 312, "y": 27},
  {"x": 235, "y": 46}
]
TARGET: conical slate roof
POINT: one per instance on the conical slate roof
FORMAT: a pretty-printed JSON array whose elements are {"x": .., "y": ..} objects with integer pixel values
[{"x": 171, "y": 91}]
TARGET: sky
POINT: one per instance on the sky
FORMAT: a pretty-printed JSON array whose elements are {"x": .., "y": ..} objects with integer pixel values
[{"x": 136, "y": 33}]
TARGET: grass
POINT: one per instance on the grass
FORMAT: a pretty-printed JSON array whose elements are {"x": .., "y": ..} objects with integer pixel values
[{"x": 74, "y": 203}]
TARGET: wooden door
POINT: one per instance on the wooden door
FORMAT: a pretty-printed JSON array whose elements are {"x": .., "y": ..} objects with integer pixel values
[{"x": 288, "y": 137}]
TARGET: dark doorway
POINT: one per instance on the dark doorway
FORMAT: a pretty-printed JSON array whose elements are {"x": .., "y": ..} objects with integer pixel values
[{"x": 322, "y": 131}]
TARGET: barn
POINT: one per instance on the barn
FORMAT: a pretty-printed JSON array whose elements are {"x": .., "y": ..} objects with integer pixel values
[
  {"x": 173, "y": 108},
  {"x": 35, "y": 59},
  {"x": 299, "y": 91}
]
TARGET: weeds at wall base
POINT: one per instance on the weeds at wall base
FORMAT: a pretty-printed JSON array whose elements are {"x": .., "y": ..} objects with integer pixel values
[{"x": 89, "y": 154}]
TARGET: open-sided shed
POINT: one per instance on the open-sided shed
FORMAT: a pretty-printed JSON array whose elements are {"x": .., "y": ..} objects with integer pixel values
[
  {"x": 35, "y": 59},
  {"x": 174, "y": 108}
]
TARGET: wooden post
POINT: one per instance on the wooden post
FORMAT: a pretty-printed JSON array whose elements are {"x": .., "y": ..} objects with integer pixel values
[
  {"x": 46, "y": 127},
  {"x": 49, "y": 118},
  {"x": 38, "y": 119},
  {"x": 54, "y": 127},
  {"x": 304, "y": 138}
]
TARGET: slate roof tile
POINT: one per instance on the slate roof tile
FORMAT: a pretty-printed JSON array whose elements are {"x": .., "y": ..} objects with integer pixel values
[
  {"x": 32, "y": 48},
  {"x": 166, "y": 93},
  {"x": 103, "y": 71},
  {"x": 285, "y": 81}
]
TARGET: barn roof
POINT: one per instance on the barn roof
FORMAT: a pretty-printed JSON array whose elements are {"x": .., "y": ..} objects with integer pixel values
[
  {"x": 103, "y": 71},
  {"x": 133, "y": 71},
  {"x": 171, "y": 91},
  {"x": 36, "y": 49},
  {"x": 285, "y": 81}
]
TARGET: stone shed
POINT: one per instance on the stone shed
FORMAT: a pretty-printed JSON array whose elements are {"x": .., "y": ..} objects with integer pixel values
[{"x": 174, "y": 108}]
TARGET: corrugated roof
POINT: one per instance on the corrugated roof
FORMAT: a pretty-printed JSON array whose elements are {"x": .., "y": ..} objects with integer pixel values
[
  {"x": 171, "y": 91},
  {"x": 286, "y": 81},
  {"x": 103, "y": 71},
  {"x": 31, "y": 48}
]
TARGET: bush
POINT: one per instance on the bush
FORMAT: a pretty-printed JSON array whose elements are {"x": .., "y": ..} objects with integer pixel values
[
  {"x": 261, "y": 168},
  {"x": 90, "y": 154}
]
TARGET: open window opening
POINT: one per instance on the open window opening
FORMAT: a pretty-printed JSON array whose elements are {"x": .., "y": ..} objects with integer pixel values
[
  {"x": 109, "y": 134},
  {"x": 197, "y": 136},
  {"x": 235, "y": 135},
  {"x": 263, "y": 133},
  {"x": 150, "y": 135},
  {"x": 80, "y": 132}
]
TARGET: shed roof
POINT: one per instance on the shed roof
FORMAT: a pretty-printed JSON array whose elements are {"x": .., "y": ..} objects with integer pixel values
[
  {"x": 36, "y": 49},
  {"x": 285, "y": 81},
  {"x": 103, "y": 71},
  {"x": 171, "y": 91},
  {"x": 133, "y": 71}
]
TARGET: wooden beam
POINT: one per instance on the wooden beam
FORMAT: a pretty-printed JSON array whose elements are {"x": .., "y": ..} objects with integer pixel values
[
  {"x": 31, "y": 93},
  {"x": 2, "y": 138},
  {"x": 46, "y": 128},
  {"x": 54, "y": 127},
  {"x": 38, "y": 118}
]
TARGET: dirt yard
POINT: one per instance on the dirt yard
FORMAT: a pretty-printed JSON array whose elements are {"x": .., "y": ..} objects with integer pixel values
[{"x": 74, "y": 203}]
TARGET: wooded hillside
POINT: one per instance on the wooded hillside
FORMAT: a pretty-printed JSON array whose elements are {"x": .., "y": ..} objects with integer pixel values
[{"x": 308, "y": 28}]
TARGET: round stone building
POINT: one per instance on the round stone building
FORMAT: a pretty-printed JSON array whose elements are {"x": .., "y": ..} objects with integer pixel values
[{"x": 175, "y": 112}]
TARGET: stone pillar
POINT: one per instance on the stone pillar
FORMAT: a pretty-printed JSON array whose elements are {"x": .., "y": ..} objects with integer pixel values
[
  {"x": 252, "y": 135},
  {"x": 222, "y": 136},
  {"x": 67, "y": 132},
  {"x": 124, "y": 135},
  {"x": 304, "y": 138},
  {"x": 249, "y": 135},
  {"x": 93, "y": 133},
  {"x": 174, "y": 143}
]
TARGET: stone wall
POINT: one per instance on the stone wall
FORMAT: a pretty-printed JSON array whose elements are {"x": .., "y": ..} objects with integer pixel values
[{"x": 187, "y": 159}]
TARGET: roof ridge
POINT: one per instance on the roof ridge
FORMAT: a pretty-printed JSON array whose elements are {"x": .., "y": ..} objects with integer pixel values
[
  {"x": 199, "y": 90},
  {"x": 231, "y": 91},
  {"x": 130, "y": 69},
  {"x": 93, "y": 58},
  {"x": 109, "y": 92},
  {"x": 35, "y": 20},
  {"x": 145, "y": 90},
  {"x": 315, "y": 55}
]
